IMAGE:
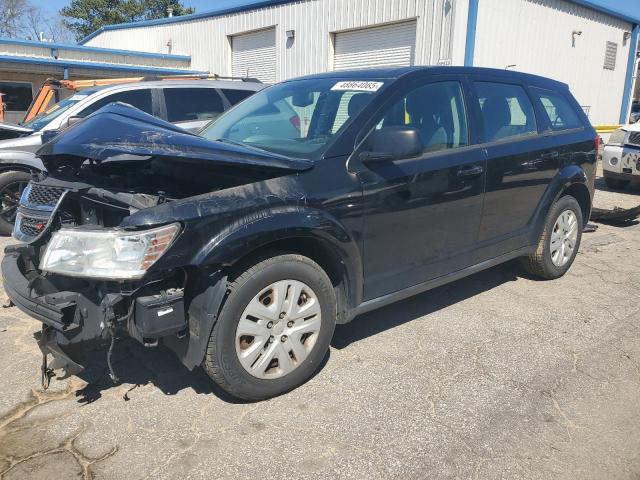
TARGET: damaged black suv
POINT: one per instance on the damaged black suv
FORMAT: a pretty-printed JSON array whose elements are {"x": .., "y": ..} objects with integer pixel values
[{"x": 311, "y": 202}]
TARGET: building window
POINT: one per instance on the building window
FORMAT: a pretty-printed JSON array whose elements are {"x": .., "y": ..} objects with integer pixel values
[
  {"x": 17, "y": 95},
  {"x": 610, "y": 55}
]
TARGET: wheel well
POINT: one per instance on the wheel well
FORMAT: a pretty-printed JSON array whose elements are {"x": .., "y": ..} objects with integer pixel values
[
  {"x": 317, "y": 250},
  {"x": 18, "y": 168},
  {"x": 581, "y": 193}
]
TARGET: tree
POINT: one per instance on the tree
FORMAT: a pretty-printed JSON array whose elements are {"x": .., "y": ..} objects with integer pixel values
[
  {"x": 22, "y": 19},
  {"x": 84, "y": 17},
  {"x": 12, "y": 18},
  {"x": 35, "y": 22},
  {"x": 159, "y": 9}
]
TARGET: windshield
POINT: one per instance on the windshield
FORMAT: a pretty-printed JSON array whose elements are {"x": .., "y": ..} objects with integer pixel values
[
  {"x": 296, "y": 119},
  {"x": 53, "y": 112}
]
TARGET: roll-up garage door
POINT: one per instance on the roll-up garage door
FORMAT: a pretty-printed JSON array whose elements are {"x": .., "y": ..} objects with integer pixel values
[
  {"x": 385, "y": 46},
  {"x": 254, "y": 55}
]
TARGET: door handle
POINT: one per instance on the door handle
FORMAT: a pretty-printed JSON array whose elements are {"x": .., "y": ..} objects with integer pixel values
[{"x": 470, "y": 172}]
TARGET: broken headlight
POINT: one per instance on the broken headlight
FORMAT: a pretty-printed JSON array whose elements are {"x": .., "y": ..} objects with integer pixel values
[{"x": 106, "y": 254}]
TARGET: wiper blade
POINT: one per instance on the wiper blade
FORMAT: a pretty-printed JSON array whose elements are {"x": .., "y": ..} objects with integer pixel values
[{"x": 242, "y": 144}]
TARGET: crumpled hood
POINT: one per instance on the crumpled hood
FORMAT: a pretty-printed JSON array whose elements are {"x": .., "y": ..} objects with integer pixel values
[{"x": 122, "y": 131}]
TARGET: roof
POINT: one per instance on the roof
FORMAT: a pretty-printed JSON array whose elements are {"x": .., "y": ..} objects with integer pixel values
[
  {"x": 97, "y": 66},
  {"x": 224, "y": 84},
  {"x": 394, "y": 73},
  {"x": 82, "y": 48},
  {"x": 250, "y": 86},
  {"x": 256, "y": 4}
]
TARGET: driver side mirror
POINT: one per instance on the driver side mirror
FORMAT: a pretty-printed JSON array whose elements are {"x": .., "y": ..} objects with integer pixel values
[
  {"x": 73, "y": 120},
  {"x": 393, "y": 143}
]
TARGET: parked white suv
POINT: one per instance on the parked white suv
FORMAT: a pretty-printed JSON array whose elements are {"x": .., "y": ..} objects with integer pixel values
[{"x": 621, "y": 157}]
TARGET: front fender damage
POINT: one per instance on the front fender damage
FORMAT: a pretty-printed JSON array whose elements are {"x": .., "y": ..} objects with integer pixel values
[{"x": 209, "y": 293}]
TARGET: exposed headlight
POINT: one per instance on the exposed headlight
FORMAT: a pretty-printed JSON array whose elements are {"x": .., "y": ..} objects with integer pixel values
[{"x": 106, "y": 254}]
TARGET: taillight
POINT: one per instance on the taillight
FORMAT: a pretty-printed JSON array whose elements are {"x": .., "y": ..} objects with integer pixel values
[
  {"x": 596, "y": 143},
  {"x": 295, "y": 121}
]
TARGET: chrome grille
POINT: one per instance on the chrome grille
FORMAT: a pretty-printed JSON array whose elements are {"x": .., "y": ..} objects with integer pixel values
[
  {"x": 37, "y": 206},
  {"x": 32, "y": 226},
  {"x": 634, "y": 138},
  {"x": 44, "y": 195}
]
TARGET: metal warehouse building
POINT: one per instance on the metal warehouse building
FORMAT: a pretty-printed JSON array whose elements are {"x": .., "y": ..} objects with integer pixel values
[
  {"x": 587, "y": 46},
  {"x": 25, "y": 65}
]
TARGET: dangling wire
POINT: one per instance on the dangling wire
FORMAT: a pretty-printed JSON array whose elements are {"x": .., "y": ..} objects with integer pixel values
[{"x": 112, "y": 374}]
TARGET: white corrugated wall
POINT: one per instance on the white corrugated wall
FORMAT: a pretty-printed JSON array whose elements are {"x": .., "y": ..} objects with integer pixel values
[
  {"x": 536, "y": 36},
  {"x": 207, "y": 40}
]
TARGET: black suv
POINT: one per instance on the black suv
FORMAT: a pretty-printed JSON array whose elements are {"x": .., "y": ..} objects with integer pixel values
[{"x": 240, "y": 249}]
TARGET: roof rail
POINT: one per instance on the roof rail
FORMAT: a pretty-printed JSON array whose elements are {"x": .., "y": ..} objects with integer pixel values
[{"x": 198, "y": 77}]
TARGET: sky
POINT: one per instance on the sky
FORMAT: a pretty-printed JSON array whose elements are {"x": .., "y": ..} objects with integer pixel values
[{"x": 630, "y": 7}]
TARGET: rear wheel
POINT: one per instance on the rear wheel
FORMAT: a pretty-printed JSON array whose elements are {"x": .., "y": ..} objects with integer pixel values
[
  {"x": 274, "y": 328},
  {"x": 559, "y": 242},
  {"x": 12, "y": 183},
  {"x": 616, "y": 183}
]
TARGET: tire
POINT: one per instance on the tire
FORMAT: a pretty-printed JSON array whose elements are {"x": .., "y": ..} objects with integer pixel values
[
  {"x": 266, "y": 377},
  {"x": 615, "y": 183},
  {"x": 548, "y": 262},
  {"x": 12, "y": 183}
]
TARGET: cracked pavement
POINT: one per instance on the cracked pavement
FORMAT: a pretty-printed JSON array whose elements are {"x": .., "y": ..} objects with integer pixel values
[{"x": 494, "y": 376}]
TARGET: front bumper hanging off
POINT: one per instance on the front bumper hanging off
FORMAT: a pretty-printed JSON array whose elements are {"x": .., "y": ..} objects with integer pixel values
[
  {"x": 79, "y": 314},
  {"x": 62, "y": 360},
  {"x": 69, "y": 309}
]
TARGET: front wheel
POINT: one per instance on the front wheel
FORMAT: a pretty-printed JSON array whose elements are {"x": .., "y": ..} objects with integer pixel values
[
  {"x": 12, "y": 183},
  {"x": 559, "y": 242},
  {"x": 274, "y": 328}
]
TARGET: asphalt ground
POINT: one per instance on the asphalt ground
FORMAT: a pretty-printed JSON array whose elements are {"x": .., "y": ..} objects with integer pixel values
[{"x": 498, "y": 375}]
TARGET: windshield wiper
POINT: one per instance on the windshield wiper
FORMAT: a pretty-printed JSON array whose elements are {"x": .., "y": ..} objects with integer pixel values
[{"x": 242, "y": 144}]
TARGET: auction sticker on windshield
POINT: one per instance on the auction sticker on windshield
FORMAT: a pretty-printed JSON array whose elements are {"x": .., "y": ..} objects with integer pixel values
[{"x": 357, "y": 85}]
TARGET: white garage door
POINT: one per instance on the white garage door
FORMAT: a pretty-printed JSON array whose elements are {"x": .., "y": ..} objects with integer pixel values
[
  {"x": 254, "y": 55},
  {"x": 386, "y": 46}
]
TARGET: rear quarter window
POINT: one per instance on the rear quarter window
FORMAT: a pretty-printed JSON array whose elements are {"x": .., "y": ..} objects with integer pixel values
[{"x": 558, "y": 109}]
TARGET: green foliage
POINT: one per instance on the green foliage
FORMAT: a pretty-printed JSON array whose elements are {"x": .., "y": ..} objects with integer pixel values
[{"x": 84, "y": 17}]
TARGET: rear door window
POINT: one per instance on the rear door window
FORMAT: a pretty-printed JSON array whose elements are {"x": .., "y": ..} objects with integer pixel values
[
  {"x": 560, "y": 113},
  {"x": 506, "y": 110},
  {"x": 192, "y": 104},
  {"x": 140, "y": 99}
]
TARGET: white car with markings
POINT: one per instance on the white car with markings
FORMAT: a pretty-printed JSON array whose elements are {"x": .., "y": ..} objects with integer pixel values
[{"x": 621, "y": 157}]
